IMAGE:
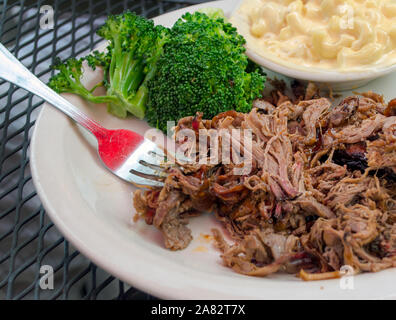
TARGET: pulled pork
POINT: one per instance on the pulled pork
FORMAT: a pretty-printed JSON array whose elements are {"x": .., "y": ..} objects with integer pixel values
[{"x": 321, "y": 192}]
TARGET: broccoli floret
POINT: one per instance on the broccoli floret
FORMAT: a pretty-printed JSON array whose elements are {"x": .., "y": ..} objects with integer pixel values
[
  {"x": 203, "y": 68},
  {"x": 128, "y": 64},
  {"x": 68, "y": 80}
]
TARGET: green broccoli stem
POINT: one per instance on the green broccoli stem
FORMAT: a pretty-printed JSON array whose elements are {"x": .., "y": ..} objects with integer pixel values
[
  {"x": 122, "y": 85},
  {"x": 139, "y": 101},
  {"x": 121, "y": 106},
  {"x": 125, "y": 76},
  {"x": 133, "y": 78},
  {"x": 77, "y": 87},
  {"x": 116, "y": 109},
  {"x": 100, "y": 99}
]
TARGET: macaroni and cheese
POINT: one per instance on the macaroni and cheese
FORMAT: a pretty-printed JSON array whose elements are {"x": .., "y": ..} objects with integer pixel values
[{"x": 325, "y": 34}]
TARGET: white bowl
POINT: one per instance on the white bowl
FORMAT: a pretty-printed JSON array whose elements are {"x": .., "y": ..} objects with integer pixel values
[{"x": 336, "y": 80}]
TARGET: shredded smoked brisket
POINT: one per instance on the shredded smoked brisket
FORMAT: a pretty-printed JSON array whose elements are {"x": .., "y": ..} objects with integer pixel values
[{"x": 321, "y": 193}]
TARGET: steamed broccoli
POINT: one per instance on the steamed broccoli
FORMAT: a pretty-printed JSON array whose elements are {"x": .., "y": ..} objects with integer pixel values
[
  {"x": 203, "y": 68},
  {"x": 135, "y": 45},
  {"x": 68, "y": 80},
  {"x": 197, "y": 65}
]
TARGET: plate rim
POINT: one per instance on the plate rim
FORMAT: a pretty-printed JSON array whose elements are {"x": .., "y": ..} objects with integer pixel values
[{"x": 141, "y": 282}]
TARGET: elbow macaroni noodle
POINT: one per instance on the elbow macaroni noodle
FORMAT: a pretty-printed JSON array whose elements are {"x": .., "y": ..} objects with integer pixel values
[{"x": 327, "y": 34}]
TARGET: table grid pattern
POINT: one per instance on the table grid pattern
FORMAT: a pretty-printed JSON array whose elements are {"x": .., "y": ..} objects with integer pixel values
[{"x": 28, "y": 239}]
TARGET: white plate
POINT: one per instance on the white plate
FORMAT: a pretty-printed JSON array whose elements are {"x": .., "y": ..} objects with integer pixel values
[{"x": 93, "y": 209}]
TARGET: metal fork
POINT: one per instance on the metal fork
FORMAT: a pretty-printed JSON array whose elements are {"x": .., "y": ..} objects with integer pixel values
[{"x": 125, "y": 153}]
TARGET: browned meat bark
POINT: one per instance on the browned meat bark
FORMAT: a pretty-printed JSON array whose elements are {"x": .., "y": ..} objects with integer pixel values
[{"x": 321, "y": 193}]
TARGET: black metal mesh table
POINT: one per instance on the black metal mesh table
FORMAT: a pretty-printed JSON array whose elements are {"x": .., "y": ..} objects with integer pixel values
[{"x": 28, "y": 239}]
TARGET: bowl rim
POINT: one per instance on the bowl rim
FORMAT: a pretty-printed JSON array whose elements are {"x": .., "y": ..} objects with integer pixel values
[{"x": 317, "y": 74}]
